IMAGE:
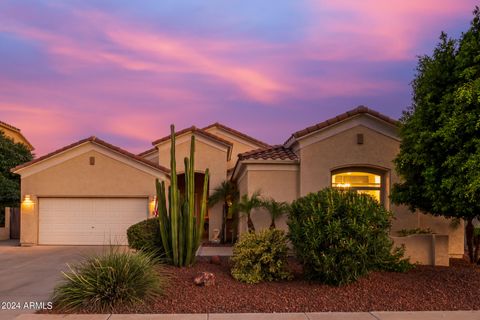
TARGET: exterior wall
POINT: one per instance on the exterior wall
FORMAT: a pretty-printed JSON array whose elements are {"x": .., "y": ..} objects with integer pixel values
[
  {"x": 15, "y": 136},
  {"x": 318, "y": 157},
  {"x": 77, "y": 178},
  {"x": 279, "y": 182},
  {"x": 239, "y": 145},
  {"x": 441, "y": 225},
  {"x": 5, "y": 230},
  {"x": 426, "y": 249},
  {"x": 206, "y": 156},
  {"x": 341, "y": 150}
]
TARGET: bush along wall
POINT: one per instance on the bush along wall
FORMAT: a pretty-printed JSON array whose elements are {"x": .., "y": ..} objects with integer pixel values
[
  {"x": 145, "y": 236},
  {"x": 260, "y": 257},
  {"x": 340, "y": 236}
]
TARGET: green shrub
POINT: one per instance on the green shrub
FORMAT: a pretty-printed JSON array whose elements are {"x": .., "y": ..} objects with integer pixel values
[
  {"x": 110, "y": 281},
  {"x": 341, "y": 235},
  {"x": 145, "y": 236},
  {"x": 261, "y": 257}
]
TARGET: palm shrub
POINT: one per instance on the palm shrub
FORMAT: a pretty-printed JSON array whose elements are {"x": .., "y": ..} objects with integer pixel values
[
  {"x": 246, "y": 205},
  {"x": 145, "y": 236},
  {"x": 275, "y": 209},
  {"x": 260, "y": 257},
  {"x": 180, "y": 229},
  {"x": 110, "y": 281},
  {"x": 340, "y": 236},
  {"x": 227, "y": 193}
]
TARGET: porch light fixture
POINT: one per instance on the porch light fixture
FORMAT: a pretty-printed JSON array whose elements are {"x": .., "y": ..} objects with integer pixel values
[
  {"x": 152, "y": 205},
  {"x": 27, "y": 201}
]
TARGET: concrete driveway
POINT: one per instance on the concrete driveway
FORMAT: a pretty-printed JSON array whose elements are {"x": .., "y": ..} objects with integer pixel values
[{"x": 29, "y": 274}]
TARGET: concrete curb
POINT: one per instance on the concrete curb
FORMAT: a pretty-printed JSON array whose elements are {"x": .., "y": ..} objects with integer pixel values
[{"x": 375, "y": 315}]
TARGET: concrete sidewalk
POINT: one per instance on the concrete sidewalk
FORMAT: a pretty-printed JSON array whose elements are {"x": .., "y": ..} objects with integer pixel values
[{"x": 381, "y": 315}]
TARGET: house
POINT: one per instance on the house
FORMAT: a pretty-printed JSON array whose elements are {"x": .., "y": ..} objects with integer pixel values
[
  {"x": 91, "y": 191},
  {"x": 15, "y": 134}
]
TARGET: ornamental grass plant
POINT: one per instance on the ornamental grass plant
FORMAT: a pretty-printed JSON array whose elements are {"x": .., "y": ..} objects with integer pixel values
[{"x": 114, "y": 280}]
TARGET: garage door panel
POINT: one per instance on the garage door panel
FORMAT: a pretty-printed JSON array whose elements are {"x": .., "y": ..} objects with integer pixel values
[{"x": 88, "y": 221}]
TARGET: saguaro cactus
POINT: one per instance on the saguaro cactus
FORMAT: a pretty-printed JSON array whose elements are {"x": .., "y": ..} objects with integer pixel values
[{"x": 180, "y": 230}]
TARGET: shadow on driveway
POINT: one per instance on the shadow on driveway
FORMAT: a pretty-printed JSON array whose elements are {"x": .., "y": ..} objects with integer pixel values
[{"x": 29, "y": 274}]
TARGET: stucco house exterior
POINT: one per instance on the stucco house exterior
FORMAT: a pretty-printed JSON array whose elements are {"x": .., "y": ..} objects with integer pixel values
[
  {"x": 91, "y": 191},
  {"x": 15, "y": 134}
]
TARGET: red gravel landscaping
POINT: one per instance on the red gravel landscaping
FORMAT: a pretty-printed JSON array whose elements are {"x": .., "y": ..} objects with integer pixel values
[{"x": 425, "y": 288}]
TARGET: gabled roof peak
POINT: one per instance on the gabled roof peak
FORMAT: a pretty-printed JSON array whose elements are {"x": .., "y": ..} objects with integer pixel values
[
  {"x": 237, "y": 133},
  {"x": 100, "y": 142},
  {"x": 361, "y": 109}
]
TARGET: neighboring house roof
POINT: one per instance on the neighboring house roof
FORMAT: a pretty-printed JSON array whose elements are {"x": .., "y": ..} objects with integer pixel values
[
  {"x": 195, "y": 130},
  {"x": 147, "y": 152},
  {"x": 100, "y": 142},
  {"x": 18, "y": 131},
  {"x": 341, "y": 117},
  {"x": 277, "y": 152},
  {"x": 238, "y": 134}
]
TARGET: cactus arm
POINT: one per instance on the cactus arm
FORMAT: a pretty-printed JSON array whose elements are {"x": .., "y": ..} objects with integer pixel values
[
  {"x": 173, "y": 197},
  {"x": 162, "y": 216},
  {"x": 203, "y": 210},
  {"x": 190, "y": 190}
]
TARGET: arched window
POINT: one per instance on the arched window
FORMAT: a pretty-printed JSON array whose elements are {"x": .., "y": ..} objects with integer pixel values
[{"x": 361, "y": 180}]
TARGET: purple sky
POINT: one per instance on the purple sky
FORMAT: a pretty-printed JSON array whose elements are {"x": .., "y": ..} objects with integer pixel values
[{"x": 125, "y": 70}]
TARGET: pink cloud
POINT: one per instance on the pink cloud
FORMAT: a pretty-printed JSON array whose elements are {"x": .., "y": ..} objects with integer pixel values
[{"x": 378, "y": 30}]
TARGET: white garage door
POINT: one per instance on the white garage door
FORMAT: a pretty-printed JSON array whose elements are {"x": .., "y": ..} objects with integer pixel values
[{"x": 88, "y": 221}]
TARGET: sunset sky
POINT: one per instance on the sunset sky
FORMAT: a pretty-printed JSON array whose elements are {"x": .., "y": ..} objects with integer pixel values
[{"x": 125, "y": 70}]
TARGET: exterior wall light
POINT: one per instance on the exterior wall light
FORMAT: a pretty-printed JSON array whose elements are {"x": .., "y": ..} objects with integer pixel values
[
  {"x": 152, "y": 205},
  {"x": 27, "y": 201}
]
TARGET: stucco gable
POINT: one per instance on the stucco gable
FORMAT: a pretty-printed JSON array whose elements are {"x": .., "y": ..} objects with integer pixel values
[
  {"x": 358, "y": 116},
  {"x": 230, "y": 133},
  {"x": 184, "y": 135},
  {"x": 86, "y": 145}
]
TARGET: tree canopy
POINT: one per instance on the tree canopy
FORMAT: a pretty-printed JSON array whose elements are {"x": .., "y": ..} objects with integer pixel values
[
  {"x": 11, "y": 155},
  {"x": 439, "y": 158}
]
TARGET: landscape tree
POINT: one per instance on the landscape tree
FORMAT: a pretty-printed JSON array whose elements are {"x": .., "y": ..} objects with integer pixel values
[
  {"x": 246, "y": 205},
  {"x": 275, "y": 209},
  {"x": 227, "y": 193},
  {"x": 439, "y": 158},
  {"x": 11, "y": 155}
]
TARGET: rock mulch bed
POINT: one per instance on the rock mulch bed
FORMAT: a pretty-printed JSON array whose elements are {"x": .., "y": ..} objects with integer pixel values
[{"x": 425, "y": 288}]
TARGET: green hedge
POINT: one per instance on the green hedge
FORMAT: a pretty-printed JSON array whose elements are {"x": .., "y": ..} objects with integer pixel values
[
  {"x": 260, "y": 257},
  {"x": 340, "y": 236},
  {"x": 145, "y": 236}
]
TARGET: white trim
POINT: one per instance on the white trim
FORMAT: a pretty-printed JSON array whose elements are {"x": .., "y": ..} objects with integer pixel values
[
  {"x": 364, "y": 119},
  {"x": 83, "y": 148}
]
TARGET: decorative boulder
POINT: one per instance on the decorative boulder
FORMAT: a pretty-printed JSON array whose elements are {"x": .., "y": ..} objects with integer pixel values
[{"x": 205, "y": 279}]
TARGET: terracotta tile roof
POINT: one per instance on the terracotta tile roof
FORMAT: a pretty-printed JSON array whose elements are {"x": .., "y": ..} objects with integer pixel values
[
  {"x": 144, "y": 153},
  {"x": 194, "y": 129},
  {"x": 9, "y": 126},
  {"x": 277, "y": 152},
  {"x": 238, "y": 133},
  {"x": 100, "y": 142},
  {"x": 341, "y": 117}
]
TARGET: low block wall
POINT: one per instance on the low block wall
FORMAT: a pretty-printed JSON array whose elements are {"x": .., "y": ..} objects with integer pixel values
[
  {"x": 425, "y": 249},
  {"x": 5, "y": 231}
]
